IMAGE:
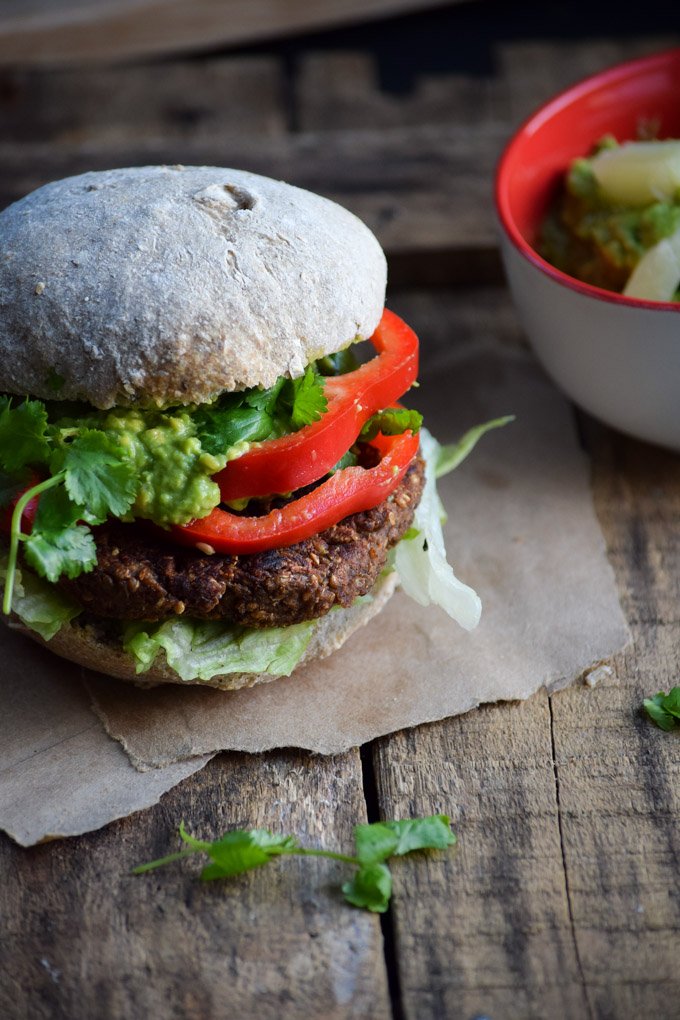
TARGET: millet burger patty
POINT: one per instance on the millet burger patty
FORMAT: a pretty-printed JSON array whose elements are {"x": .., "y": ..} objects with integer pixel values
[{"x": 143, "y": 578}]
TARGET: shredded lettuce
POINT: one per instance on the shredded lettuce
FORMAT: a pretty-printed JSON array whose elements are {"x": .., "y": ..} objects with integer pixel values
[
  {"x": 201, "y": 649},
  {"x": 38, "y": 604},
  {"x": 420, "y": 558}
]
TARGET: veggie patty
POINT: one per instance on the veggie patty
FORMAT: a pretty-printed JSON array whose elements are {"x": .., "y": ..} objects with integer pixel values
[{"x": 140, "y": 577}]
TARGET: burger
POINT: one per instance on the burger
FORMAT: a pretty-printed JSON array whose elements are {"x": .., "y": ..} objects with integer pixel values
[{"x": 203, "y": 476}]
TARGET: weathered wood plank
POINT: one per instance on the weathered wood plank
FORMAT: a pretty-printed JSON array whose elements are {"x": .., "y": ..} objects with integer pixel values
[
  {"x": 340, "y": 91},
  {"x": 418, "y": 168},
  {"x": 106, "y": 107},
  {"x": 619, "y": 776},
  {"x": 82, "y": 938},
  {"x": 485, "y": 931},
  {"x": 563, "y": 898},
  {"x": 40, "y": 32}
]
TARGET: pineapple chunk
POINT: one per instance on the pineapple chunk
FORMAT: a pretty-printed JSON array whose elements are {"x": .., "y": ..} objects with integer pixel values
[
  {"x": 656, "y": 277},
  {"x": 636, "y": 173}
]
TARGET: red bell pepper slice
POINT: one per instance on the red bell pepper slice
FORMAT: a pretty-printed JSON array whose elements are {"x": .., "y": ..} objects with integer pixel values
[
  {"x": 297, "y": 460},
  {"x": 346, "y": 492}
]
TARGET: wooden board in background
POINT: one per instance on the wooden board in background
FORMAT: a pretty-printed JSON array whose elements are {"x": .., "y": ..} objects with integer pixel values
[
  {"x": 84, "y": 31},
  {"x": 417, "y": 168}
]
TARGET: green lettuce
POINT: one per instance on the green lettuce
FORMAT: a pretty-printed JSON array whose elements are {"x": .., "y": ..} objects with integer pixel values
[
  {"x": 38, "y": 604},
  {"x": 201, "y": 649},
  {"x": 420, "y": 558}
]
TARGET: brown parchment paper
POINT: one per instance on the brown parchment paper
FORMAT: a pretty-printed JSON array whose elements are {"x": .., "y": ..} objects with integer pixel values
[
  {"x": 521, "y": 530},
  {"x": 60, "y": 774}
]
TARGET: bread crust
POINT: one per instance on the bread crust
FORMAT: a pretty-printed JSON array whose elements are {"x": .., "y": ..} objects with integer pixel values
[
  {"x": 161, "y": 285},
  {"x": 81, "y": 644}
]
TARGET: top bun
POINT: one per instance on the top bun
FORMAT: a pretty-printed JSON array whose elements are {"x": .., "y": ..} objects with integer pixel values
[{"x": 167, "y": 285}]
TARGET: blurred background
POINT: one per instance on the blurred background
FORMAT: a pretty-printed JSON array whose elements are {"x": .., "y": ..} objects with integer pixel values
[{"x": 398, "y": 109}]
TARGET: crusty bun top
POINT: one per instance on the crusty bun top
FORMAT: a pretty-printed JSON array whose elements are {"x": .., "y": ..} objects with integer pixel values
[{"x": 170, "y": 284}]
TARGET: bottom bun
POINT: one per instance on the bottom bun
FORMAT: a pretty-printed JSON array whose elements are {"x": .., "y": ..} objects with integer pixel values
[{"x": 85, "y": 645}]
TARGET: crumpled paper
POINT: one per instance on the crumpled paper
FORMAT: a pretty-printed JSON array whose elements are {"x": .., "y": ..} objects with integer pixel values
[
  {"x": 521, "y": 530},
  {"x": 60, "y": 774}
]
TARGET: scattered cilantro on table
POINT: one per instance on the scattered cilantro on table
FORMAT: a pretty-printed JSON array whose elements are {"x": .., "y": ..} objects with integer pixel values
[
  {"x": 371, "y": 886},
  {"x": 664, "y": 709}
]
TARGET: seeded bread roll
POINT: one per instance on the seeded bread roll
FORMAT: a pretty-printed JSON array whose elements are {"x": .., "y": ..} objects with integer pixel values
[
  {"x": 87, "y": 646},
  {"x": 167, "y": 285}
]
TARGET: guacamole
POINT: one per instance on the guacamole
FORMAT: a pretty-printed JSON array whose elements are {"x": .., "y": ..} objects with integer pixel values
[
  {"x": 172, "y": 467},
  {"x": 596, "y": 240}
]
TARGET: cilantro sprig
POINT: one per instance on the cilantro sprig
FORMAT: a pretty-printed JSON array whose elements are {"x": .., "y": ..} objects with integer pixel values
[
  {"x": 256, "y": 415},
  {"x": 371, "y": 885},
  {"x": 664, "y": 709},
  {"x": 90, "y": 477}
]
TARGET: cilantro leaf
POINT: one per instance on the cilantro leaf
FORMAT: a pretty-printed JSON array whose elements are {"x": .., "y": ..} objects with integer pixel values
[
  {"x": 348, "y": 459},
  {"x": 371, "y": 888},
  {"x": 23, "y": 434},
  {"x": 71, "y": 551},
  {"x": 391, "y": 422},
  {"x": 380, "y": 840},
  {"x": 220, "y": 428},
  {"x": 308, "y": 399},
  {"x": 241, "y": 851},
  {"x": 672, "y": 702},
  {"x": 664, "y": 709},
  {"x": 265, "y": 400},
  {"x": 433, "y": 833},
  {"x": 99, "y": 474},
  {"x": 238, "y": 851},
  {"x": 56, "y": 511},
  {"x": 256, "y": 415}
]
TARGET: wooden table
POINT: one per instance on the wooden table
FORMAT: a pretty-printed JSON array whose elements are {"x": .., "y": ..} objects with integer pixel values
[{"x": 562, "y": 898}]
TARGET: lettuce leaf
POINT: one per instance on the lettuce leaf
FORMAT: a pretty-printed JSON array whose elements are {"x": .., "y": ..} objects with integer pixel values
[
  {"x": 420, "y": 559},
  {"x": 201, "y": 649},
  {"x": 38, "y": 604}
]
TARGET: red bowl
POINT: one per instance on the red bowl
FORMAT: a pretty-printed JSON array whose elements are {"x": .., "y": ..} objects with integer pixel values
[
  {"x": 618, "y": 101},
  {"x": 617, "y": 357}
]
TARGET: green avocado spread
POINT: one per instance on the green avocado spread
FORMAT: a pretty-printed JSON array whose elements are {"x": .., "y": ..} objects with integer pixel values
[
  {"x": 173, "y": 469},
  {"x": 596, "y": 241}
]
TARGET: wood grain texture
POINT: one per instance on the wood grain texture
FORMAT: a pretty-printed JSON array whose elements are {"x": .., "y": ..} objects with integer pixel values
[
  {"x": 41, "y": 32},
  {"x": 619, "y": 775},
  {"x": 82, "y": 938},
  {"x": 563, "y": 898},
  {"x": 484, "y": 931},
  {"x": 417, "y": 168}
]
